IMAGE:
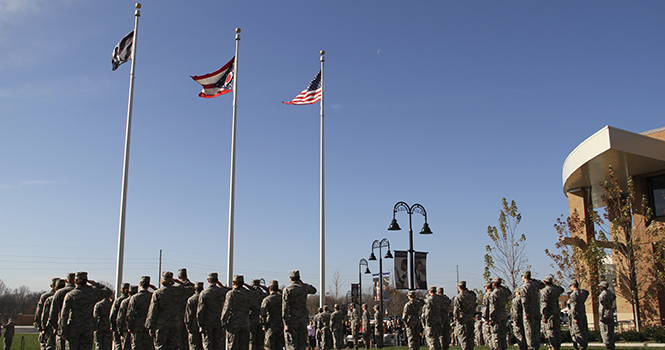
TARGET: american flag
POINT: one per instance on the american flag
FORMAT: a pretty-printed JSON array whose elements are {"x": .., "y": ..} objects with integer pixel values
[
  {"x": 217, "y": 83},
  {"x": 123, "y": 51},
  {"x": 310, "y": 95}
]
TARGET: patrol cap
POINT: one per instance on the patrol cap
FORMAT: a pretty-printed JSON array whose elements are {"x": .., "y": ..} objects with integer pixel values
[
  {"x": 82, "y": 275},
  {"x": 199, "y": 285},
  {"x": 440, "y": 290},
  {"x": 432, "y": 289},
  {"x": 603, "y": 284},
  {"x": 213, "y": 276},
  {"x": 60, "y": 284},
  {"x": 71, "y": 277},
  {"x": 526, "y": 273},
  {"x": 365, "y": 305},
  {"x": 125, "y": 285},
  {"x": 461, "y": 284},
  {"x": 295, "y": 274},
  {"x": 274, "y": 283},
  {"x": 336, "y": 306},
  {"x": 411, "y": 293},
  {"x": 548, "y": 279},
  {"x": 239, "y": 280},
  {"x": 135, "y": 289},
  {"x": 256, "y": 282},
  {"x": 488, "y": 284},
  {"x": 574, "y": 283},
  {"x": 182, "y": 272},
  {"x": 54, "y": 281},
  {"x": 497, "y": 280},
  {"x": 145, "y": 279}
]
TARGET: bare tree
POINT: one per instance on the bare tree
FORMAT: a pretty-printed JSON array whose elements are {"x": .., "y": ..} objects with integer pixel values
[
  {"x": 335, "y": 294},
  {"x": 506, "y": 256}
]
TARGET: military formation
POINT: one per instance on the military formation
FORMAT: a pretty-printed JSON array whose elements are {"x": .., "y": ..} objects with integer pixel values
[{"x": 78, "y": 312}]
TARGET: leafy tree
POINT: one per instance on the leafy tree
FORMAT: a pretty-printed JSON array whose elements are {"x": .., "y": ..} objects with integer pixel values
[{"x": 507, "y": 255}]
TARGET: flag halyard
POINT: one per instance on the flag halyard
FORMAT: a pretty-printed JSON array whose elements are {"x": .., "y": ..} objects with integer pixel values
[
  {"x": 217, "y": 83},
  {"x": 310, "y": 95}
]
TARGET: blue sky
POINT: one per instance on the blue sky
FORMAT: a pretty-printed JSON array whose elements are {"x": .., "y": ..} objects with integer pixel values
[{"x": 450, "y": 104}]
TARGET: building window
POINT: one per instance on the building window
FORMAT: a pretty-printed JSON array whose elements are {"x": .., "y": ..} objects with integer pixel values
[{"x": 657, "y": 194}]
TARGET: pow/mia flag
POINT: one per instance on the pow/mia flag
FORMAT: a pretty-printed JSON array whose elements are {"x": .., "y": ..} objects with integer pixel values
[{"x": 123, "y": 51}]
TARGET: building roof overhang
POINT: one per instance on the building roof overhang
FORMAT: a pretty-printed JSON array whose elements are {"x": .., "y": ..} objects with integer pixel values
[{"x": 629, "y": 153}]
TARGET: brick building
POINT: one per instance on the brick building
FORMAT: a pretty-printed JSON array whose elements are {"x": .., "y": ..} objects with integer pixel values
[{"x": 642, "y": 157}]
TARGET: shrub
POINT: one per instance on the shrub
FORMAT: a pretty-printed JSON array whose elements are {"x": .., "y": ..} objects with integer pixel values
[{"x": 631, "y": 336}]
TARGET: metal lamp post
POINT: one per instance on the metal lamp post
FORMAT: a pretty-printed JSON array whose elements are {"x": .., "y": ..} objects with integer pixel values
[
  {"x": 360, "y": 279},
  {"x": 416, "y": 208},
  {"x": 384, "y": 243}
]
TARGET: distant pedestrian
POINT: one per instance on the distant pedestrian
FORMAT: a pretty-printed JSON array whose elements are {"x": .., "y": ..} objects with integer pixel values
[{"x": 9, "y": 333}]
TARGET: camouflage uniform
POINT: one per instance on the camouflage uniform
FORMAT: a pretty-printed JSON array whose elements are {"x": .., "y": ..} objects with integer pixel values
[
  {"x": 49, "y": 336},
  {"x": 411, "y": 317},
  {"x": 113, "y": 317},
  {"x": 378, "y": 327},
  {"x": 487, "y": 336},
  {"x": 209, "y": 312},
  {"x": 40, "y": 311},
  {"x": 77, "y": 322},
  {"x": 579, "y": 327},
  {"x": 137, "y": 312},
  {"x": 444, "y": 339},
  {"x": 354, "y": 323},
  {"x": 478, "y": 331},
  {"x": 271, "y": 318},
  {"x": 191, "y": 323},
  {"x": 324, "y": 326},
  {"x": 498, "y": 318},
  {"x": 121, "y": 320},
  {"x": 432, "y": 319},
  {"x": 235, "y": 315},
  {"x": 606, "y": 314},
  {"x": 164, "y": 320},
  {"x": 464, "y": 307},
  {"x": 517, "y": 315},
  {"x": 337, "y": 328},
  {"x": 529, "y": 293},
  {"x": 318, "y": 331},
  {"x": 294, "y": 311},
  {"x": 256, "y": 335},
  {"x": 551, "y": 313},
  {"x": 56, "y": 307},
  {"x": 366, "y": 326},
  {"x": 103, "y": 335}
]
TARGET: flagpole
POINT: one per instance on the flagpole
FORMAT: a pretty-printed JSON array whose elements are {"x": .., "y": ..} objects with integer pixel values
[
  {"x": 229, "y": 264},
  {"x": 322, "y": 292},
  {"x": 125, "y": 167}
]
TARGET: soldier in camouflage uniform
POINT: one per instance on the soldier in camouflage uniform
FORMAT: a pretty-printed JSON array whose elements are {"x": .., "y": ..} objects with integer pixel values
[
  {"x": 337, "y": 327},
  {"x": 411, "y": 317},
  {"x": 294, "y": 311},
  {"x": 184, "y": 335},
  {"x": 606, "y": 314},
  {"x": 271, "y": 318},
  {"x": 444, "y": 339},
  {"x": 464, "y": 307},
  {"x": 164, "y": 321},
  {"x": 367, "y": 326},
  {"x": 485, "y": 312},
  {"x": 137, "y": 312},
  {"x": 191, "y": 324},
  {"x": 324, "y": 326},
  {"x": 354, "y": 323},
  {"x": 517, "y": 316},
  {"x": 209, "y": 312},
  {"x": 530, "y": 295},
  {"x": 256, "y": 335},
  {"x": 579, "y": 327},
  {"x": 77, "y": 322},
  {"x": 235, "y": 315},
  {"x": 378, "y": 327},
  {"x": 103, "y": 334},
  {"x": 432, "y": 319},
  {"x": 121, "y": 319},
  {"x": 56, "y": 308},
  {"x": 498, "y": 318},
  {"x": 49, "y": 335},
  {"x": 551, "y": 312},
  {"x": 318, "y": 331},
  {"x": 113, "y": 316},
  {"x": 40, "y": 311},
  {"x": 478, "y": 330}
]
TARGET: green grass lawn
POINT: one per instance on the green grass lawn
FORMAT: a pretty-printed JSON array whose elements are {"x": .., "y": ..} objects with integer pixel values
[{"x": 31, "y": 342}]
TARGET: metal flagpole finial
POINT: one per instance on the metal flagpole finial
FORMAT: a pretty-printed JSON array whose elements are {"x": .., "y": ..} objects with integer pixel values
[
  {"x": 138, "y": 5},
  {"x": 237, "y": 30}
]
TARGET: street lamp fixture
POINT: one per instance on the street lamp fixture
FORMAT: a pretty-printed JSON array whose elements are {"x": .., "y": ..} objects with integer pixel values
[
  {"x": 360, "y": 278},
  {"x": 394, "y": 226},
  {"x": 384, "y": 243}
]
